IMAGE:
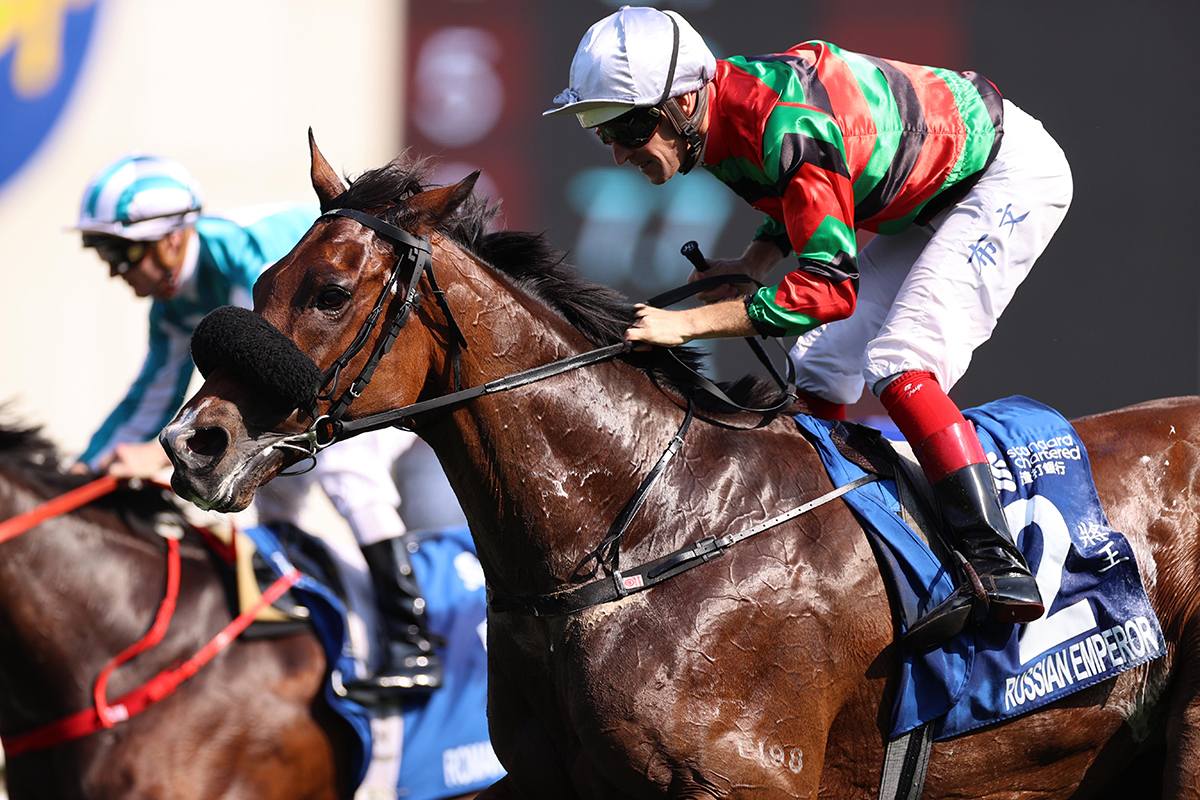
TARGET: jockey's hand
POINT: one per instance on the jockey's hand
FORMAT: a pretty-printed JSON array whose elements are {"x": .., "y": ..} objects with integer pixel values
[
  {"x": 757, "y": 262},
  {"x": 79, "y": 468},
  {"x": 135, "y": 460},
  {"x": 670, "y": 328},
  {"x": 658, "y": 326},
  {"x": 724, "y": 291}
]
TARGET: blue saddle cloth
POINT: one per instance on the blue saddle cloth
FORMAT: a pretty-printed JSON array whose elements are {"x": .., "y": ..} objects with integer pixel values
[
  {"x": 1098, "y": 621},
  {"x": 446, "y": 750}
]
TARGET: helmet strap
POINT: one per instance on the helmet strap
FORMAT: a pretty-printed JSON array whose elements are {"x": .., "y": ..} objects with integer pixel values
[{"x": 685, "y": 126}]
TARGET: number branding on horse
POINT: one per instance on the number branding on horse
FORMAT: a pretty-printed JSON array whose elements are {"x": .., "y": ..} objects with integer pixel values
[{"x": 773, "y": 756}]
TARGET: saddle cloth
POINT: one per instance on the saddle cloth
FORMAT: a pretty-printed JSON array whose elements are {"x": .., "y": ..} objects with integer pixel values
[
  {"x": 433, "y": 746},
  {"x": 1098, "y": 621}
]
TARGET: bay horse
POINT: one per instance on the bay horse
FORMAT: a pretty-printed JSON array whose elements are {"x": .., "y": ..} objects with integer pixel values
[
  {"x": 783, "y": 646},
  {"x": 80, "y": 588}
]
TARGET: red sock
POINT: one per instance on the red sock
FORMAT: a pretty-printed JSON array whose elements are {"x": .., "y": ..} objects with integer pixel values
[
  {"x": 942, "y": 439},
  {"x": 821, "y": 408}
]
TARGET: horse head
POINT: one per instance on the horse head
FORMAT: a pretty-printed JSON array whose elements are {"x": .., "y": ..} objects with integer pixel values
[{"x": 322, "y": 319}]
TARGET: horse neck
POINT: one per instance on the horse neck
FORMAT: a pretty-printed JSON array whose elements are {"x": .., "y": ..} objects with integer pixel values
[
  {"x": 514, "y": 457},
  {"x": 69, "y": 601}
]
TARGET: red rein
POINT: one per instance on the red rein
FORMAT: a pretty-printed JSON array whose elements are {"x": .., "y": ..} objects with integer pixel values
[
  {"x": 103, "y": 714},
  {"x": 63, "y": 504}
]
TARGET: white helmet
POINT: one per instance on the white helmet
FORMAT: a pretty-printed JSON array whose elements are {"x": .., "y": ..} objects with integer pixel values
[
  {"x": 635, "y": 57},
  {"x": 142, "y": 198}
]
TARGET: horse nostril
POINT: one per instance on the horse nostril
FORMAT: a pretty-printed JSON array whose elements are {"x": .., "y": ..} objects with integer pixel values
[{"x": 209, "y": 442}]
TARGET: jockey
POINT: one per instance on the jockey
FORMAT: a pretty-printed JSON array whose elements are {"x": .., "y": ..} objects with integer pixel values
[
  {"x": 141, "y": 214},
  {"x": 963, "y": 189}
]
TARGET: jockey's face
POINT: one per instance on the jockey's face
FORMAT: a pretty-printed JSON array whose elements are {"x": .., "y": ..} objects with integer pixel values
[
  {"x": 151, "y": 274},
  {"x": 660, "y": 158}
]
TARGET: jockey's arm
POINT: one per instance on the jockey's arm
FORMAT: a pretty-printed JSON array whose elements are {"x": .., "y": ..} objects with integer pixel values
[{"x": 129, "y": 460}]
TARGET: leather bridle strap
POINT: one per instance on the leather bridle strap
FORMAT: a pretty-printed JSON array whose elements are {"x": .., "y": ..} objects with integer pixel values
[
  {"x": 787, "y": 385},
  {"x": 412, "y": 249}
]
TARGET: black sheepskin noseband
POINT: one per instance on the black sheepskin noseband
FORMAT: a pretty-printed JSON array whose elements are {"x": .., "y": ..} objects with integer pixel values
[{"x": 257, "y": 353}]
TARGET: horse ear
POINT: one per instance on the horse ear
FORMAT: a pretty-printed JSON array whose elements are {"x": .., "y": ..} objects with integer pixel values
[
  {"x": 325, "y": 181},
  {"x": 435, "y": 205}
]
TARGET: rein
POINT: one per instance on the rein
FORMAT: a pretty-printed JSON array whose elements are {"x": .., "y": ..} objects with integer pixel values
[
  {"x": 65, "y": 503},
  {"x": 104, "y": 715},
  {"x": 417, "y": 250}
]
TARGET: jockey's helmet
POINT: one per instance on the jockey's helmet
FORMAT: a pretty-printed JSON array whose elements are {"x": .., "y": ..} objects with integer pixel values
[
  {"x": 635, "y": 57},
  {"x": 141, "y": 198}
]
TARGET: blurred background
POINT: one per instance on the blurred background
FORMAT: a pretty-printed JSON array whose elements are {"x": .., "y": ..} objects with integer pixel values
[{"x": 1107, "y": 318}]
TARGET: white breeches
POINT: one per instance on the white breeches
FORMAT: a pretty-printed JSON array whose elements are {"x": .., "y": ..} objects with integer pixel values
[{"x": 928, "y": 296}]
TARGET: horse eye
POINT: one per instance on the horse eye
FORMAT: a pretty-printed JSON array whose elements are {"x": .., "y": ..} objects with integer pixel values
[{"x": 332, "y": 298}]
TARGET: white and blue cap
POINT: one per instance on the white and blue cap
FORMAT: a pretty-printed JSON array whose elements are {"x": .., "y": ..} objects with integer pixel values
[
  {"x": 142, "y": 198},
  {"x": 635, "y": 57}
]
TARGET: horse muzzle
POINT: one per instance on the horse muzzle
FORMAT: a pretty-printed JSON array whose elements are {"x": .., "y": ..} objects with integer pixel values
[{"x": 217, "y": 466}]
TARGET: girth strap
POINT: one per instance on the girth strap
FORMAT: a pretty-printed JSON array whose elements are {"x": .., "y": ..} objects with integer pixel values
[{"x": 607, "y": 554}]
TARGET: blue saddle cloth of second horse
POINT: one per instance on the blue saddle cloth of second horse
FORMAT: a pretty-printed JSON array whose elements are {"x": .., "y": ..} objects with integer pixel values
[
  {"x": 1098, "y": 621},
  {"x": 446, "y": 751}
]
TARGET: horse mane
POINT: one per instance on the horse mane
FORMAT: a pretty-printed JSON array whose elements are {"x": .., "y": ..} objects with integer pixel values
[
  {"x": 529, "y": 262},
  {"x": 26, "y": 452}
]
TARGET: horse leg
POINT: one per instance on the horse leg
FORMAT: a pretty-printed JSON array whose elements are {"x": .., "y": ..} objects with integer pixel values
[{"x": 1181, "y": 776}]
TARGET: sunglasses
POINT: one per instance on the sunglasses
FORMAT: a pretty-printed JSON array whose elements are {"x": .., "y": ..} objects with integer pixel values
[
  {"x": 633, "y": 129},
  {"x": 120, "y": 254}
]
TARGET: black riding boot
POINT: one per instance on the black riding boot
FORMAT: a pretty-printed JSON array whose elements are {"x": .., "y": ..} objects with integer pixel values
[
  {"x": 410, "y": 665},
  {"x": 974, "y": 523}
]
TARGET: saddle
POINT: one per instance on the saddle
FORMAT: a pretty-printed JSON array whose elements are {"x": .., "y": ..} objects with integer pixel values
[
  {"x": 869, "y": 450},
  {"x": 243, "y": 572},
  {"x": 1093, "y": 591}
]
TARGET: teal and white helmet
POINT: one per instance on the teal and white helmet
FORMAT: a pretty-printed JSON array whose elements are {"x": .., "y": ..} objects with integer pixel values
[{"x": 142, "y": 198}]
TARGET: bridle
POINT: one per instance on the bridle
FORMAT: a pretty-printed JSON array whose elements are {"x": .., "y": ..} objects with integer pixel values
[
  {"x": 410, "y": 250},
  {"x": 329, "y": 427}
]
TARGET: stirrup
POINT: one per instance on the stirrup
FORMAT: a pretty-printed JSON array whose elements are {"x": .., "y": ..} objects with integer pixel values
[
  {"x": 419, "y": 675},
  {"x": 952, "y": 615}
]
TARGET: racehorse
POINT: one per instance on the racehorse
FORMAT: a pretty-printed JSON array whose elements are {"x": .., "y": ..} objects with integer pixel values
[
  {"x": 79, "y": 589},
  {"x": 768, "y": 672}
]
